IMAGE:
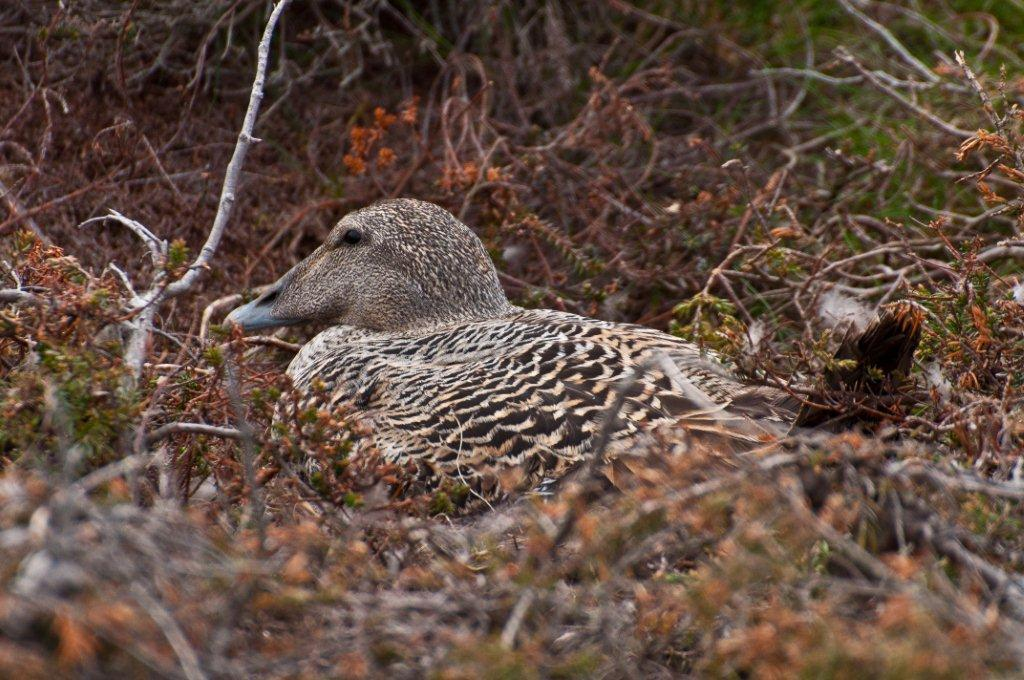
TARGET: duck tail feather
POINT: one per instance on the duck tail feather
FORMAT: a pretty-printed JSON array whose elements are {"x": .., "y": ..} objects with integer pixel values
[{"x": 872, "y": 363}]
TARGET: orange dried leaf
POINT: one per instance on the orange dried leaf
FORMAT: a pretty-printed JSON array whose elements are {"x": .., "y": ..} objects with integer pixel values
[
  {"x": 383, "y": 119},
  {"x": 355, "y": 165},
  {"x": 969, "y": 145},
  {"x": 784, "y": 232},
  {"x": 385, "y": 157},
  {"x": 410, "y": 112},
  {"x": 988, "y": 195},
  {"x": 296, "y": 570},
  {"x": 77, "y": 645},
  {"x": 981, "y": 323},
  {"x": 1012, "y": 173}
]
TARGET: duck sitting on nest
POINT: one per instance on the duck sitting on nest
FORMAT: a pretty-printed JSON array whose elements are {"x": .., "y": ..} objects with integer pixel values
[{"x": 425, "y": 347}]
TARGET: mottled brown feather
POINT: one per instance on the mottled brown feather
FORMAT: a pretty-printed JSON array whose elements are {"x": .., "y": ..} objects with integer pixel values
[{"x": 527, "y": 390}]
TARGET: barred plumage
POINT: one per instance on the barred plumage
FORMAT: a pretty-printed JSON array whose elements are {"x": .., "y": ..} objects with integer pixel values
[
  {"x": 528, "y": 390},
  {"x": 426, "y": 348}
]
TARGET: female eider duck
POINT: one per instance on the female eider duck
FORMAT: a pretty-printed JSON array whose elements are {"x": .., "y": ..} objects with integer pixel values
[{"x": 424, "y": 345}]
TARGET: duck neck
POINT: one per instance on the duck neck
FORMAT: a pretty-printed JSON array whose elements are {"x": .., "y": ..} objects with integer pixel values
[{"x": 450, "y": 315}]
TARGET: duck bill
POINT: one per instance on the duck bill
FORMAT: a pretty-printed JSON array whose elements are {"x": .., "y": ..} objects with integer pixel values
[{"x": 259, "y": 313}]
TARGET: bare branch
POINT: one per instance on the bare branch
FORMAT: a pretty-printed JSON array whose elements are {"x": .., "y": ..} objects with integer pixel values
[
  {"x": 234, "y": 169},
  {"x": 17, "y": 210},
  {"x": 964, "y": 483},
  {"x": 157, "y": 246},
  {"x": 785, "y": 72},
  {"x": 176, "y": 638},
  {"x": 895, "y": 44},
  {"x": 142, "y": 324},
  {"x": 17, "y": 297},
  {"x": 515, "y": 619},
  {"x": 1002, "y": 250},
  {"x": 271, "y": 341},
  {"x": 169, "y": 429},
  {"x": 138, "y": 341},
  {"x": 906, "y": 103},
  {"x": 218, "y": 305},
  {"x": 147, "y": 303},
  {"x": 986, "y": 103}
]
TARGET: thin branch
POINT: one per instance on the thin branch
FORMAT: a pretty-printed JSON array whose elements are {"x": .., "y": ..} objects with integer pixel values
[
  {"x": 17, "y": 210},
  {"x": 963, "y": 483},
  {"x": 234, "y": 169},
  {"x": 157, "y": 246},
  {"x": 515, "y": 619},
  {"x": 175, "y": 637},
  {"x": 271, "y": 341},
  {"x": 783, "y": 72},
  {"x": 169, "y": 429},
  {"x": 214, "y": 307},
  {"x": 986, "y": 103},
  {"x": 16, "y": 297},
  {"x": 1006, "y": 249},
  {"x": 906, "y": 103},
  {"x": 895, "y": 44}
]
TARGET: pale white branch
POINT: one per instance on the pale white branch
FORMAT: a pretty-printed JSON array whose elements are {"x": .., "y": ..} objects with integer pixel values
[
  {"x": 218, "y": 305},
  {"x": 167, "y": 430},
  {"x": 895, "y": 44},
  {"x": 906, "y": 103},
  {"x": 234, "y": 169},
  {"x": 16, "y": 296},
  {"x": 125, "y": 281},
  {"x": 157, "y": 246},
  {"x": 271, "y": 341},
  {"x": 146, "y": 304}
]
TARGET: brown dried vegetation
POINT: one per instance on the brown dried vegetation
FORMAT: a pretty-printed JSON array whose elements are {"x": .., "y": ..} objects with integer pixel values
[{"x": 756, "y": 181}]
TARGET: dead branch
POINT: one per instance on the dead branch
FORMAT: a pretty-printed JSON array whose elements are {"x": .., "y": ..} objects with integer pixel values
[
  {"x": 146, "y": 305},
  {"x": 16, "y": 296},
  {"x": 169, "y": 429},
  {"x": 271, "y": 341},
  {"x": 961, "y": 482},
  {"x": 924, "y": 113},
  {"x": 216, "y": 307},
  {"x": 234, "y": 169},
  {"x": 892, "y": 41}
]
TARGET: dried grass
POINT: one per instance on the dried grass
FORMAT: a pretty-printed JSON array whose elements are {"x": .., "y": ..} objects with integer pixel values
[{"x": 668, "y": 163}]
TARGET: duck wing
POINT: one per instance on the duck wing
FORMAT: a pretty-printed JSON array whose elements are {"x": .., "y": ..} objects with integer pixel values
[{"x": 530, "y": 412}]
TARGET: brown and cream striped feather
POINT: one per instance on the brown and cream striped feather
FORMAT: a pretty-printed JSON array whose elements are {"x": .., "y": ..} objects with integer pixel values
[
  {"x": 458, "y": 385},
  {"x": 528, "y": 391}
]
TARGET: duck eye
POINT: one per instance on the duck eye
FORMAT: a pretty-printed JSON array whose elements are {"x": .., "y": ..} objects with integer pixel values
[{"x": 352, "y": 237}]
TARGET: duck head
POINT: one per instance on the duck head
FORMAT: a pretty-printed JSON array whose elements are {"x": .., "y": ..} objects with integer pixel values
[{"x": 395, "y": 265}]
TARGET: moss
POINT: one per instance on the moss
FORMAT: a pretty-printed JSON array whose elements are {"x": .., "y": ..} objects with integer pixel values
[
  {"x": 441, "y": 504},
  {"x": 459, "y": 494},
  {"x": 582, "y": 664},
  {"x": 214, "y": 356},
  {"x": 490, "y": 661}
]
